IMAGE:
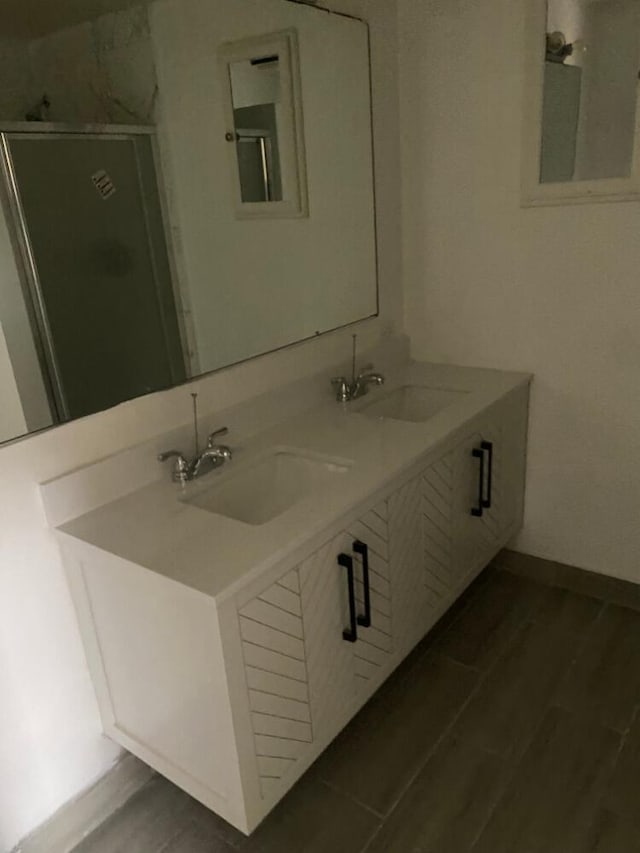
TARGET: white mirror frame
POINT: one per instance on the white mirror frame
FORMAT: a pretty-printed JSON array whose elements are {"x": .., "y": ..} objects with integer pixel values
[
  {"x": 535, "y": 193},
  {"x": 290, "y": 142}
]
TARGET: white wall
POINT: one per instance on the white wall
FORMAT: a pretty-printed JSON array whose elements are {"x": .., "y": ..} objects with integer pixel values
[
  {"x": 100, "y": 71},
  {"x": 50, "y": 741},
  {"x": 552, "y": 290}
]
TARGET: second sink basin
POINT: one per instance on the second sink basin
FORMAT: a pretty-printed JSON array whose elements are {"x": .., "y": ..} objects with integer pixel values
[
  {"x": 274, "y": 483},
  {"x": 412, "y": 403}
]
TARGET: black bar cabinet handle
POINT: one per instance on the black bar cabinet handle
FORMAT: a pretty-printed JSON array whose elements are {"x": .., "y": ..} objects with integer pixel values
[
  {"x": 360, "y": 548},
  {"x": 488, "y": 447},
  {"x": 350, "y": 634},
  {"x": 476, "y": 511}
]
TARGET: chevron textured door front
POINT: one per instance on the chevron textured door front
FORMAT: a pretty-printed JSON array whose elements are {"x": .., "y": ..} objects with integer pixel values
[
  {"x": 375, "y": 644},
  {"x": 303, "y": 679},
  {"x": 275, "y": 661},
  {"x": 407, "y": 553}
]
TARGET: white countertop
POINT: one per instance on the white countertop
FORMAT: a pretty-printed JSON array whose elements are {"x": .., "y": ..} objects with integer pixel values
[{"x": 154, "y": 528}]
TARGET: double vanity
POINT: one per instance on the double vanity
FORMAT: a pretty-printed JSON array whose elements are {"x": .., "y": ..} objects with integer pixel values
[{"x": 236, "y": 622}]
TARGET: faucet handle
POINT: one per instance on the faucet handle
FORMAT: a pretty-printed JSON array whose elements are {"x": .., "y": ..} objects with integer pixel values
[
  {"x": 180, "y": 473},
  {"x": 215, "y": 434}
]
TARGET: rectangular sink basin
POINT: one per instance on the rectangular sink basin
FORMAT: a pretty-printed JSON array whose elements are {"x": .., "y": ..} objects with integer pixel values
[
  {"x": 264, "y": 490},
  {"x": 414, "y": 403}
]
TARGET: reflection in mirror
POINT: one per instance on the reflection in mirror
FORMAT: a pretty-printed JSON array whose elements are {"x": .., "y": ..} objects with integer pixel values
[
  {"x": 125, "y": 264},
  {"x": 592, "y": 59},
  {"x": 255, "y": 91},
  {"x": 97, "y": 303},
  {"x": 262, "y": 103}
]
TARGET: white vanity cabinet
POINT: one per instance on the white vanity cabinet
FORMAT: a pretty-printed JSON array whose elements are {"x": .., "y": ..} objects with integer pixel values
[
  {"x": 307, "y": 667},
  {"x": 233, "y": 694}
]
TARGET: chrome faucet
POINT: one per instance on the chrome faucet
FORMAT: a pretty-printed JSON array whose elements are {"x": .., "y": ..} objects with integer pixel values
[
  {"x": 204, "y": 461},
  {"x": 211, "y": 457},
  {"x": 350, "y": 390},
  {"x": 359, "y": 384}
]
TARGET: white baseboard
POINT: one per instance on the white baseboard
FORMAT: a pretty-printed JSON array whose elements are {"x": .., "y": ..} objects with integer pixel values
[{"x": 77, "y": 818}]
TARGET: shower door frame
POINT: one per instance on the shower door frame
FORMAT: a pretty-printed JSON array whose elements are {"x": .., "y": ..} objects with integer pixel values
[{"x": 26, "y": 263}]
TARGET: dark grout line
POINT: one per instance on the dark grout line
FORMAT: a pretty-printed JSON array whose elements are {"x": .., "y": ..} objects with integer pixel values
[
  {"x": 171, "y": 840},
  {"x": 347, "y": 796},
  {"x": 436, "y": 653}
]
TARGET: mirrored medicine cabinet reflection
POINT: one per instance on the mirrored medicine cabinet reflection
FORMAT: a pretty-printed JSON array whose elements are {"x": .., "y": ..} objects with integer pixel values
[
  {"x": 581, "y": 128},
  {"x": 238, "y": 221}
]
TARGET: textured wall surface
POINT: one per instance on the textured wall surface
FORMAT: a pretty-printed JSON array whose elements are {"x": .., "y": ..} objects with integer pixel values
[
  {"x": 15, "y": 79},
  {"x": 100, "y": 71}
]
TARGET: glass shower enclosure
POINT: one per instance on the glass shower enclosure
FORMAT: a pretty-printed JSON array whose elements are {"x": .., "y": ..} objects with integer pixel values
[{"x": 85, "y": 215}]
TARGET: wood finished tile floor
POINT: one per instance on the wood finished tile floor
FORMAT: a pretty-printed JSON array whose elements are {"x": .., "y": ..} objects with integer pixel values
[{"x": 513, "y": 728}]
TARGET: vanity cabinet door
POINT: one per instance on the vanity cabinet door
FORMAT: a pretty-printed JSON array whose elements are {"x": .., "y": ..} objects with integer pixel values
[
  {"x": 409, "y": 592},
  {"x": 305, "y": 679},
  {"x": 368, "y": 539},
  {"x": 489, "y": 484},
  {"x": 276, "y": 666},
  {"x": 347, "y": 662},
  {"x": 442, "y": 574},
  {"x": 476, "y": 527}
]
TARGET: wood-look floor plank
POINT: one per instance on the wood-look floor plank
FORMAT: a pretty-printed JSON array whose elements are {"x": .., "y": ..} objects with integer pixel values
[
  {"x": 194, "y": 839},
  {"x": 604, "y": 682},
  {"x": 556, "y": 787},
  {"x": 448, "y": 803},
  {"x": 313, "y": 819},
  {"x": 504, "y": 713},
  {"x": 147, "y": 822},
  {"x": 623, "y": 794},
  {"x": 571, "y": 611},
  {"x": 490, "y": 621},
  {"x": 388, "y": 742},
  {"x": 610, "y": 833}
]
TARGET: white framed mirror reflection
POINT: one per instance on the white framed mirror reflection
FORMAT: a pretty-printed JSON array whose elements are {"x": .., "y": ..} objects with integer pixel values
[
  {"x": 581, "y": 128},
  {"x": 263, "y": 109}
]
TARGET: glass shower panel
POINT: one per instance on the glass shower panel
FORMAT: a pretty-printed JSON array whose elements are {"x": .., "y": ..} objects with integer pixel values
[{"x": 92, "y": 215}]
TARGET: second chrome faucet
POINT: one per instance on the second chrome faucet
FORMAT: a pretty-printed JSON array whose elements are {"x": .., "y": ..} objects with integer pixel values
[{"x": 358, "y": 385}]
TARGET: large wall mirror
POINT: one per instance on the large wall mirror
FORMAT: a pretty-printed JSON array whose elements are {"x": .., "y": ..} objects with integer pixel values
[
  {"x": 194, "y": 187},
  {"x": 581, "y": 131}
]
